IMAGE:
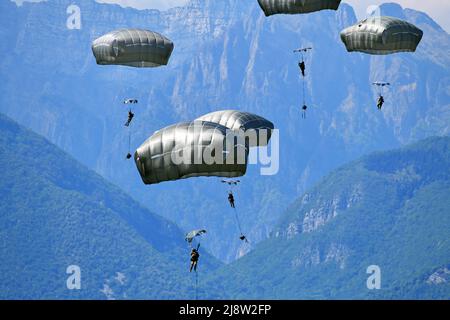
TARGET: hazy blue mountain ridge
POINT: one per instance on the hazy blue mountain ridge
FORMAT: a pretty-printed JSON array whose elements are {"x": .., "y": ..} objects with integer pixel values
[
  {"x": 227, "y": 55},
  {"x": 56, "y": 213},
  {"x": 389, "y": 209}
]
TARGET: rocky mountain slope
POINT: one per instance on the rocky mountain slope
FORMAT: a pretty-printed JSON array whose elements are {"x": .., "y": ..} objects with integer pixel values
[{"x": 389, "y": 210}]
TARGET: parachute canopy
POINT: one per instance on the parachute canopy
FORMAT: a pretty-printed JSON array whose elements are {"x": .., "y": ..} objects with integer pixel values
[
  {"x": 130, "y": 101},
  {"x": 245, "y": 121},
  {"x": 231, "y": 182},
  {"x": 195, "y": 233},
  {"x": 381, "y": 84},
  {"x": 301, "y": 50},
  {"x": 382, "y": 35},
  {"x": 271, "y": 7},
  {"x": 132, "y": 47},
  {"x": 190, "y": 149}
]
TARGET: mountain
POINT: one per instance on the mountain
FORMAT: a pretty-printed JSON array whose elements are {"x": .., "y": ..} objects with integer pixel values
[
  {"x": 227, "y": 55},
  {"x": 56, "y": 213},
  {"x": 389, "y": 209}
]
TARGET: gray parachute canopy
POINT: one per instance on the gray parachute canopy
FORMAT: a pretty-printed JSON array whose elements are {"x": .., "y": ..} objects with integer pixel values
[
  {"x": 382, "y": 35},
  {"x": 190, "y": 149},
  {"x": 252, "y": 125},
  {"x": 132, "y": 47},
  {"x": 194, "y": 233},
  {"x": 271, "y": 7}
]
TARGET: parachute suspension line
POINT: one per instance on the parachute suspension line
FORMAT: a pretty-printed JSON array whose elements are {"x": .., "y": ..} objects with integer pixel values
[
  {"x": 196, "y": 285},
  {"x": 304, "y": 99},
  {"x": 236, "y": 215},
  {"x": 303, "y": 82},
  {"x": 383, "y": 72},
  {"x": 301, "y": 64},
  {"x": 237, "y": 221},
  {"x": 129, "y": 140}
]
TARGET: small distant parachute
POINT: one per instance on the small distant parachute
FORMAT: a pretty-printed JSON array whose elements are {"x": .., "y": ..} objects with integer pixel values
[
  {"x": 132, "y": 47},
  {"x": 382, "y": 35},
  {"x": 245, "y": 121},
  {"x": 130, "y": 101},
  {"x": 194, "y": 233},
  {"x": 177, "y": 152},
  {"x": 271, "y": 7},
  {"x": 231, "y": 182},
  {"x": 302, "y": 50},
  {"x": 381, "y": 84}
]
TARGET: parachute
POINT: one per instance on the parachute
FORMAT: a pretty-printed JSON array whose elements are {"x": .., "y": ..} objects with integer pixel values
[
  {"x": 231, "y": 182},
  {"x": 132, "y": 47},
  {"x": 271, "y": 7},
  {"x": 190, "y": 149},
  {"x": 380, "y": 86},
  {"x": 128, "y": 123},
  {"x": 302, "y": 67},
  {"x": 381, "y": 36},
  {"x": 245, "y": 121},
  {"x": 194, "y": 233}
]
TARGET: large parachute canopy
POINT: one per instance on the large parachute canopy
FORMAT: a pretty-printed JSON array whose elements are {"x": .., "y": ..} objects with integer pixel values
[
  {"x": 271, "y": 7},
  {"x": 257, "y": 129},
  {"x": 194, "y": 233},
  {"x": 382, "y": 35},
  {"x": 132, "y": 47},
  {"x": 191, "y": 149}
]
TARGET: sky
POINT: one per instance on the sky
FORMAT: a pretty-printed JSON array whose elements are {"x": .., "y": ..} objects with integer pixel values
[{"x": 439, "y": 10}]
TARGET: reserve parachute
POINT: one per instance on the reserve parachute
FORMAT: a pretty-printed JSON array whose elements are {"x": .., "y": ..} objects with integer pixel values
[
  {"x": 271, "y": 7},
  {"x": 382, "y": 35},
  {"x": 194, "y": 233},
  {"x": 132, "y": 47}
]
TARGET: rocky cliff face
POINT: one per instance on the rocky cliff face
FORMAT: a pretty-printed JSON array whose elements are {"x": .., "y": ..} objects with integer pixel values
[{"x": 227, "y": 55}]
